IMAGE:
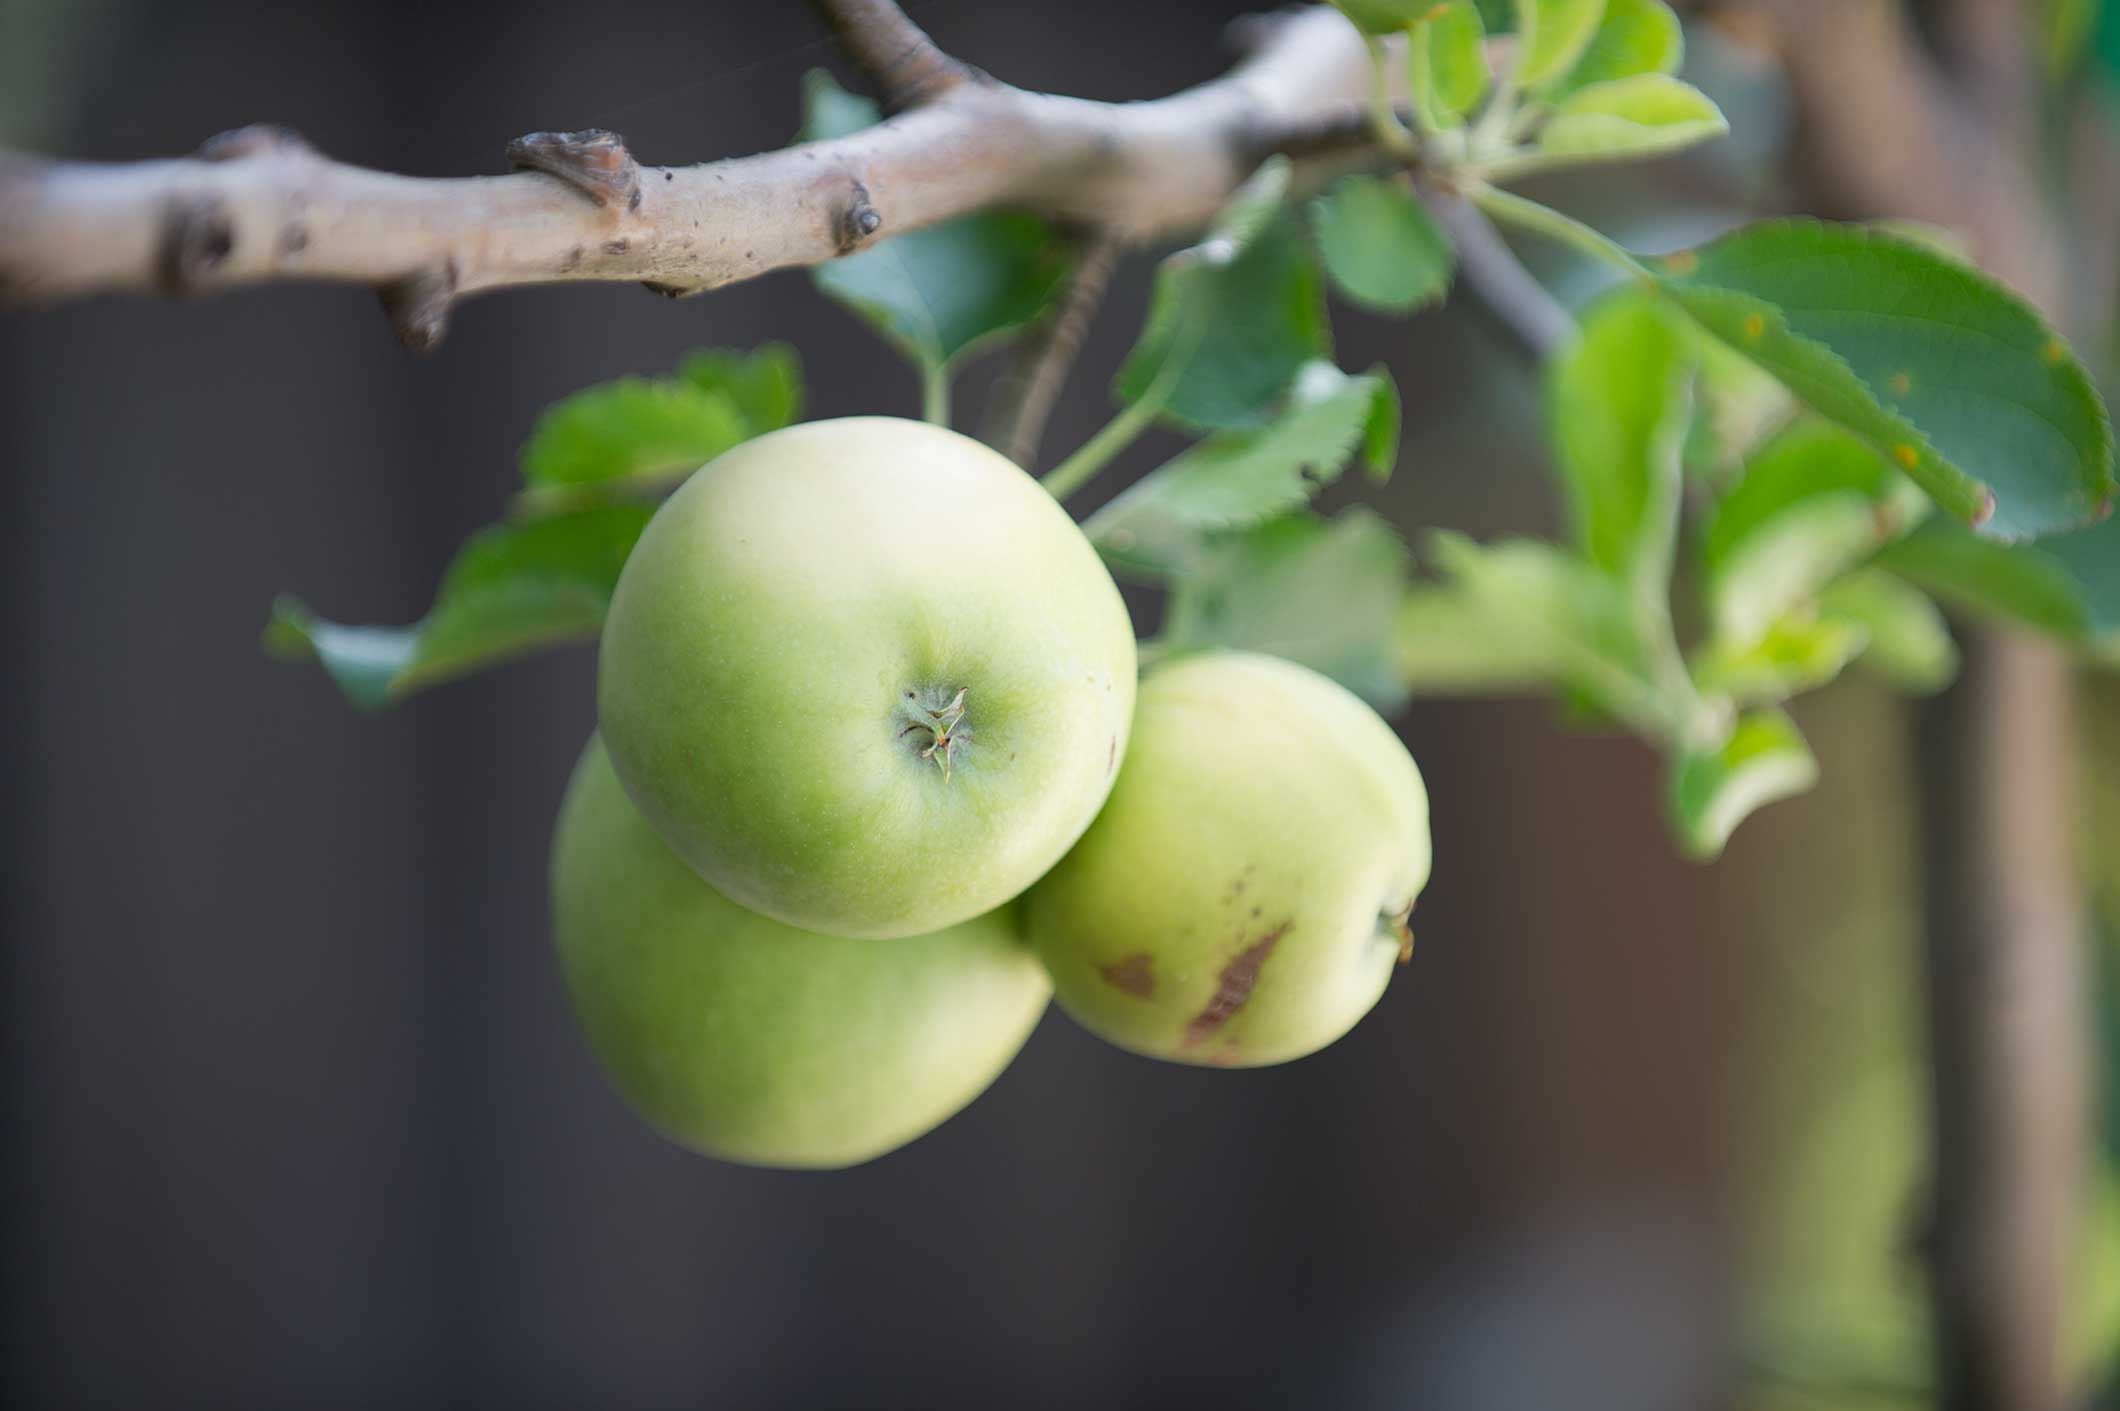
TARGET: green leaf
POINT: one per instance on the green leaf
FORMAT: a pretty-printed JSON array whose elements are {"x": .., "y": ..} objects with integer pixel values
[
  {"x": 2066, "y": 28},
  {"x": 1793, "y": 654},
  {"x": 1909, "y": 644},
  {"x": 1381, "y": 16},
  {"x": 764, "y": 383},
  {"x": 1815, "y": 501},
  {"x": 1618, "y": 402},
  {"x": 1322, "y": 593},
  {"x": 1764, "y": 761},
  {"x": 939, "y": 292},
  {"x": 2067, "y": 586},
  {"x": 1554, "y": 35},
  {"x": 829, "y": 111},
  {"x": 1946, "y": 372},
  {"x": 1737, "y": 406},
  {"x": 1453, "y": 642},
  {"x": 512, "y": 588},
  {"x": 1382, "y": 248},
  {"x": 1239, "y": 478},
  {"x": 628, "y": 432},
  {"x": 1633, "y": 37},
  {"x": 1233, "y": 318},
  {"x": 637, "y": 435},
  {"x": 1446, "y": 64},
  {"x": 1623, "y": 118},
  {"x": 1543, "y": 605}
]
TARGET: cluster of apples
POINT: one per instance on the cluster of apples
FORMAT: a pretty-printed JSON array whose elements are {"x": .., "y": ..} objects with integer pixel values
[{"x": 872, "y": 782}]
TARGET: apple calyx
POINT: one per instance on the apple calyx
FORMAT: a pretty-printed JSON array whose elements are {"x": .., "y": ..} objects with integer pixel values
[
  {"x": 941, "y": 727},
  {"x": 1398, "y": 926}
]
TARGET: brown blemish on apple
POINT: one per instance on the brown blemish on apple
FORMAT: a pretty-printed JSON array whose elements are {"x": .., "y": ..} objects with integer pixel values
[
  {"x": 1135, "y": 975},
  {"x": 1235, "y": 986}
]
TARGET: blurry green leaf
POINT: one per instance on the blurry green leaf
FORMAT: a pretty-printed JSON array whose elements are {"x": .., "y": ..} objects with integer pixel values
[
  {"x": 829, "y": 111},
  {"x": 1382, "y": 249},
  {"x": 1634, "y": 37},
  {"x": 1815, "y": 501},
  {"x": 511, "y": 588},
  {"x": 1946, "y": 372},
  {"x": 639, "y": 435},
  {"x": 1764, "y": 761},
  {"x": 1793, "y": 654},
  {"x": 1238, "y": 478},
  {"x": 1498, "y": 16},
  {"x": 634, "y": 429},
  {"x": 1233, "y": 318},
  {"x": 1618, "y": 400},
  {"x": 1736, "y": 407},
  {"x": 1642, "y": 116},
  {"x": 764, "y": 383},
  {"x": 1381, "y": 16},
  {"x": 1554, "y": 34},
  {"x": 2018, "y": 583},
  {"x": 1543, "y": 605},
  {"x": 1909, "y": 643},
  {"x": 1450, "y": 641},
  {"x": 2066, "y": 28},
  {"x": 1322, "y": 593},
  {"x": 1446, "y": 64},
  {"x": 2066, "y": 585},
  {"x": 938, "y": 292}
]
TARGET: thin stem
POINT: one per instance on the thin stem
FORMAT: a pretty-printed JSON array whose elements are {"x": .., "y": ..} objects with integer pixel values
[
  {"x": 935, "y": 394},
  {"x": 1544, "y": 220},
  {"x": 1497, "y": 278},
  {"x": 1391, "y": 131},
  {"x": 1078, "y": 469},
  {"x": 1024, "y": 400}
]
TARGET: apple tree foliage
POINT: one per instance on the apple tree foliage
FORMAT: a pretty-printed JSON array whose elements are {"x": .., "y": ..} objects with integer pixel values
[{"x": 1779, "y": 453}]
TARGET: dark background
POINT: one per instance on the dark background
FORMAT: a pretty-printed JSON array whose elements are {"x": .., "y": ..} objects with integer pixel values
[{"x": 297, "y": 1116}]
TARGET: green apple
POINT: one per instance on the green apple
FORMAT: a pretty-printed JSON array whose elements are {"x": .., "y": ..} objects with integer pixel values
[
  {"x": 752, "y": 1041},
  {"x": 1244, "y": 897},
  {"x": 866, "y": 677}
]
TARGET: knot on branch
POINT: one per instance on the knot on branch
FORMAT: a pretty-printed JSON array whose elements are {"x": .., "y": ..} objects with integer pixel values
[
  {"x": 593, "y": 161},
  {"x": 195, "y": 237},
  {"x": 858, "y": 221},
  {"x": 418, "y": 305},
  {"x": 259, "y": 139}
]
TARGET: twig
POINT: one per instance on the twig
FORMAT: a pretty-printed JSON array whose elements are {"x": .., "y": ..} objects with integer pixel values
[
  {"x": 1024, "y": 399},
  {"x": 1497, "y": 279},
  {"x": 248, "y": 211},
  {"x": 893, "y": 51}
]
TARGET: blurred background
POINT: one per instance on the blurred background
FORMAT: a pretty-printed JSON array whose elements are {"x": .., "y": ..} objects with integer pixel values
[{"x": 295, "y": 1113}]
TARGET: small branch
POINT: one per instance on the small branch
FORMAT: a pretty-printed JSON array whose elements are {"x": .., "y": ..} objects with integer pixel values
[
  {"x": 1024, "y": 400},
  {"x": 247, "y": 212},
  {"x": 1509, "y": 293},
  {"x": 895, "y": 53}
]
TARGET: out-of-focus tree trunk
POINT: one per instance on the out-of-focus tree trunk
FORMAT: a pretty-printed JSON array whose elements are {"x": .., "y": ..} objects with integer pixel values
[{"x": 2006, "y": 1023}]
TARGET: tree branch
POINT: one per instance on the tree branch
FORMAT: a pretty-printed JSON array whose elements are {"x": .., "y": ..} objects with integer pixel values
[
  {"x": 255, "y": 208},
  {"x": 1024, "y": 399},
  {"x": 893, "y": 51}
]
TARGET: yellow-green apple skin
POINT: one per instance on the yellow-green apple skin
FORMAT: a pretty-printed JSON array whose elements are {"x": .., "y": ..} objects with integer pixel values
[
  {"x": 753, "y": 1041},
  {"x": 1243, "y": 899},
  {"x": 866, "y": 677}
]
